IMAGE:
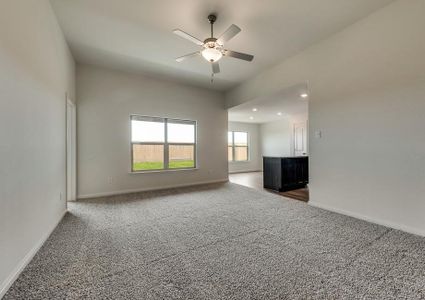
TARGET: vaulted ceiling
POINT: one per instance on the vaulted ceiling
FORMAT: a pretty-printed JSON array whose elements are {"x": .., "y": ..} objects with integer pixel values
[{"x": 136, "y": 35}]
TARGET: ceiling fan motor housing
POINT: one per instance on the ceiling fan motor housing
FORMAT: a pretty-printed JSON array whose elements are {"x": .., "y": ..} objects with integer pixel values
[
  {"x": 211, "y": 43},
  {"x": 212, "y": 18}
]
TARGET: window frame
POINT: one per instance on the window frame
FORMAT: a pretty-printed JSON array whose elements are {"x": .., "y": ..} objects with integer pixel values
[
  {"x": 166, "y": 144},
  {"x": 248, "y": 156}
]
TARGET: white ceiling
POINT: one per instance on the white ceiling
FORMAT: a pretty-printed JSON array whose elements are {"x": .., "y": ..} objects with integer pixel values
[
  {"x": 136, "y": 35},
  {"x": 288, "y": 102}
]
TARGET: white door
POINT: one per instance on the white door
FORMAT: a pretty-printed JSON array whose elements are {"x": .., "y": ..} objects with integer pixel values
[
  {"x": 71, "y": 134},
  {"x": 300, "y": 139}
]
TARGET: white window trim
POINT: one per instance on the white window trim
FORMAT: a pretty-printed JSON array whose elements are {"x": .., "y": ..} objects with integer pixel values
[
  {"x": 233, "y": 161},
  {"x": 166, "y": 145}
]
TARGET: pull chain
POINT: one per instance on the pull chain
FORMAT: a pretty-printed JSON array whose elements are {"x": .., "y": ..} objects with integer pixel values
[{"x": 212, "y": 77}]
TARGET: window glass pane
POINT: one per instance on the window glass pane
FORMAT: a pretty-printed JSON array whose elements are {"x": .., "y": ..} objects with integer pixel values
[
  {"x": 146, "y": 131},
  {"x": 241, "y": 153},
  {"x": 181, "y": 133},
  {"x": 230, "y": 153},
  {"x": 229, "y": 138},
  {"x": 241, "y": 138},
  {"x": 181, "y": 156},
  {"x": 148, "y": 157}
]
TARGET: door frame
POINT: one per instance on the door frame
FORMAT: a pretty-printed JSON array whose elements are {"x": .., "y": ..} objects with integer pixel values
[
  {"x": 71, "y": 150},
  {"x": 306, "y": 137}
]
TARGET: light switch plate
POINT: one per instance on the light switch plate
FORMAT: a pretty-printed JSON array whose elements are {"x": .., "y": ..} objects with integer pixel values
[{"x": 318, "y": 134}]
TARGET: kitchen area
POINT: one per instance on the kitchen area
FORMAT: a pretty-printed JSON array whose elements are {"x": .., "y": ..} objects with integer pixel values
[{"x": 268, "y": 143}]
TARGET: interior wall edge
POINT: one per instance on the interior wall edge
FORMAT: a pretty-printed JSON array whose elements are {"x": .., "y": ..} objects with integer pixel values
[
  {"x": 7, "y": 283},
  {"x": 393, "y": 225}
]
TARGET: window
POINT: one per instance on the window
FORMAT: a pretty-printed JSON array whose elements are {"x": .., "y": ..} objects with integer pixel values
[
  {"x": 162, "y": 143},
  {"x": 237, "y": 146}
]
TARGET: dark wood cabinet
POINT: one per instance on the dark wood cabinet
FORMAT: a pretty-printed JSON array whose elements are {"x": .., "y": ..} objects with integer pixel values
[{"x": 285, "y": 173}]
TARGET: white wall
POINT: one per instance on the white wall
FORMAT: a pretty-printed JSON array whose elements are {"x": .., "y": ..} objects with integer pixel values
[
  {"x": 367, "y": 91},
  {"x": 106, "y": 99},
  {"x": 36, "y": 71},
  {"x": 299, "y": 118},
  {"x": 276, "y": 138},
  {"x": 366, "y": 95},
  {"x": 255, "y": 158}
]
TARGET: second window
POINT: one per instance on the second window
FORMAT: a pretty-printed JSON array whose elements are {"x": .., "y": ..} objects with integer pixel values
[{"x": 237, "y": 147}]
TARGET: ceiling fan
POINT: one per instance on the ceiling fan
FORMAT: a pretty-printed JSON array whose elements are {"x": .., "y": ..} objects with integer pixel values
[{"x": 213, "y": 48}]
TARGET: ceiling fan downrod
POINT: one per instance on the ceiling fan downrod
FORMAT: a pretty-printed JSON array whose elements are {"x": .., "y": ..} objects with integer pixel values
[{"x": 212, "y": 18}]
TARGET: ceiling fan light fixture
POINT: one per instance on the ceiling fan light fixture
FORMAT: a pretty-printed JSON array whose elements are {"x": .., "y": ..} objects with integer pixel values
[
  {"x": 213, "y": 48},
  {"x": 211, "y": 54}
]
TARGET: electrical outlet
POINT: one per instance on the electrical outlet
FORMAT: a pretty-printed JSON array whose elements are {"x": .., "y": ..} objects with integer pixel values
[{"x": 110, "y": 180}]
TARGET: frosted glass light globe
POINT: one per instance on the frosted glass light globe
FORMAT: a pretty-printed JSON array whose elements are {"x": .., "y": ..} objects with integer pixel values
[{"x": 211, "y": 54}]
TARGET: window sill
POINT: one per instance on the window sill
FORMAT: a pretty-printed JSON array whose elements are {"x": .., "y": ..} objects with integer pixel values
[
  {"x": 163, "y": 171},
  {"x": 239, "y": 162}
]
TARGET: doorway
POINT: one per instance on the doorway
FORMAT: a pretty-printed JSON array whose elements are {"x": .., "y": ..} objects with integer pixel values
[
  {"x": 277, "y": 127},
  {"x": 71, "y": 150},
  {"x": 300, "y": 140}
]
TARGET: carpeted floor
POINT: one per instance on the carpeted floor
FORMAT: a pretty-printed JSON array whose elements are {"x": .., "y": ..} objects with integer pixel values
[{"x": 220, "y": 242}]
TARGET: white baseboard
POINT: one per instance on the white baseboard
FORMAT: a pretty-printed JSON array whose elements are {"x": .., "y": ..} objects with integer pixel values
[
  {"x": 244, "y": 171},
  {"x": 121, "y": 192},
  {"x": 385, "y": 223},
  {"x": 5, "y": 285}
]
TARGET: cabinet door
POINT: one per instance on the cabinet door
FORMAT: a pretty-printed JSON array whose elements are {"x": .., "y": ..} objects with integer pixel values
[
  {"x": 272, "y": 173},
  {"x": 294, "y": 173}
]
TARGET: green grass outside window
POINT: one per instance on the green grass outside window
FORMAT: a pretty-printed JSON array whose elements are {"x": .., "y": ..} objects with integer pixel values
[{"x": 177, "y": 164}]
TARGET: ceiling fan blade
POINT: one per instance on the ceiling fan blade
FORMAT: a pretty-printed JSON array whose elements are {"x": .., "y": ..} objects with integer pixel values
[
  {"x": 228, "y": 34},
  {"x": 243, "y": 56},
  {"x": 184, "y": 57},
  {"x": 188, "y": 37},
  {"x": 215, "y": 67}
]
